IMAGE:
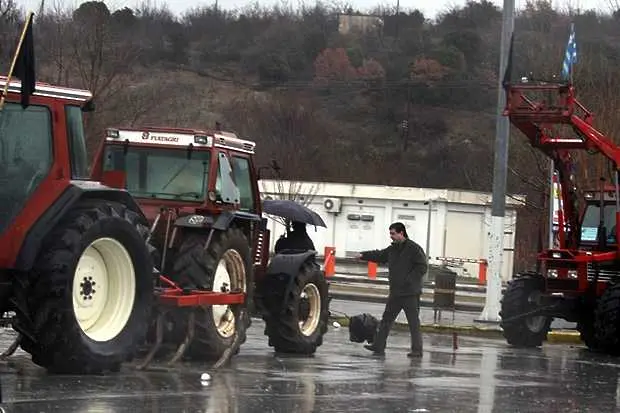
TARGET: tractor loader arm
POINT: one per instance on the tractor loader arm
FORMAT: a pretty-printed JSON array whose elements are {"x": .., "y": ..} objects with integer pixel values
[{"x": 541, "y": 122}]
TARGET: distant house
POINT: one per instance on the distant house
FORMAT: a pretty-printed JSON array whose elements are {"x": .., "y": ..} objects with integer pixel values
[{"x": 348, "y": 23}]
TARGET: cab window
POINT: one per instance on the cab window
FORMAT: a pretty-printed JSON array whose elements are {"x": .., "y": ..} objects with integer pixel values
[
  {"x": 243, "y": 178},
  {"x": 77, "y": 143}
]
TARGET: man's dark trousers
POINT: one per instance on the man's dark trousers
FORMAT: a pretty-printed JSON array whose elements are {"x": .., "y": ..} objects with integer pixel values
[{"x": 411, "y": 305}]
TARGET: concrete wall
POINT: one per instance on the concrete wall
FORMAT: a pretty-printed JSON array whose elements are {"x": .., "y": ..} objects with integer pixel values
[{"x": 459, "y": 220}]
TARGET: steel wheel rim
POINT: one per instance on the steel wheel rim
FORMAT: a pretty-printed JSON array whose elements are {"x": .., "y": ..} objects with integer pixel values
[
  {"x": 104, "y": 289},
  {"x": 309, "y": 325},
  {"x": 535, "y": 323},
  {"x": 229, "y": 275}
]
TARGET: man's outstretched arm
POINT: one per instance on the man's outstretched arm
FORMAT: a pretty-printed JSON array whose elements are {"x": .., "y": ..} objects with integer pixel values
[{"x": 378, "y": 256}]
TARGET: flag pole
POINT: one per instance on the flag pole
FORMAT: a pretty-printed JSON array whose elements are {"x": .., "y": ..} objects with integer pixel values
[
  {"x": 572, "y": 31},
  {"x": 12, "y": 68}
]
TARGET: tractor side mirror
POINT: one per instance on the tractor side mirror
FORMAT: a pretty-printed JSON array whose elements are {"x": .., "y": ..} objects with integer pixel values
[
  {"x": 89, "y": 106},
  {"x": 114, "y": 179}
]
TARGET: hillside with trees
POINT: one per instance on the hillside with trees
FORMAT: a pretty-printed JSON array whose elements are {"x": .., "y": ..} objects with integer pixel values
[{"x": 411, "y": 102}]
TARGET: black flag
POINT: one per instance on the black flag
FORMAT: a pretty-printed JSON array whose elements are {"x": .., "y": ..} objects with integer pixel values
[
  {"x": 508, "y": 70},
  {"x": 24, "y": 64}
]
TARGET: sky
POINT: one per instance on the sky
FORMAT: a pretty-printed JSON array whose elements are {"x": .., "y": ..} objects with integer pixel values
[{"x": 430, "y": 8}]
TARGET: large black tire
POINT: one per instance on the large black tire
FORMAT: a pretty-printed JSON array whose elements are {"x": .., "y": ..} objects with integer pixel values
[
  {"x": 90, "y": 234},
  {"x": 523, "y": 331},
  {"x": 284, "y": 307},
  {"x": 585, "y": 324},
  {"x": 607, "y": 321},
  {"x": 195, "y": 268},
  {"x": 587, "y": 334}
]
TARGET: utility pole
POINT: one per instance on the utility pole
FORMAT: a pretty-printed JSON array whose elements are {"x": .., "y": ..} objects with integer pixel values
[
  {"x": 490, "y": 313},
  {"x": 406, "y": 123},
  {"x": 397, "y": 17}
]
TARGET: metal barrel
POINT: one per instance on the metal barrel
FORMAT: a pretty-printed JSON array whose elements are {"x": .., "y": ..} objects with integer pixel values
[{"x": 444, "y": 293}]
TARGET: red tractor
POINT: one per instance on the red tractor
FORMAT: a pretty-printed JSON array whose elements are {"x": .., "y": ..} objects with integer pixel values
[
  {"x": 199, "y": 192},
  {"x": 578, "y": 279},
  {"x": 74, "y": 265}
]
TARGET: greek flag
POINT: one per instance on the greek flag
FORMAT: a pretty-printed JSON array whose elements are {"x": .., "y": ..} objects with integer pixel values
[{"x": 570, "y": 57}]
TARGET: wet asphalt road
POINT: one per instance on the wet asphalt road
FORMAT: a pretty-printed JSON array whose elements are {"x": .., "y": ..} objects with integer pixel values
[{"x": 480, "y": 376}]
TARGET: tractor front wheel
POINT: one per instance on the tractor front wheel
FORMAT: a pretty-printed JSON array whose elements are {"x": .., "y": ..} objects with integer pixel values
[
  {"x": 90, "y": 294},
  {"x": 296, "y": 310},
  {"x": 521, "y": 297},
  {"x": 224, "y": 266}
]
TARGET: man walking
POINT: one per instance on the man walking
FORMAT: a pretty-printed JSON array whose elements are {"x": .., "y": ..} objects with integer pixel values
[{"x": 407, "y": 265}]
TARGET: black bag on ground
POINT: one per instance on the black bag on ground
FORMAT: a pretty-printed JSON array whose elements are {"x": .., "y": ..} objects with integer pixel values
[{"x": 362, "y": 327}]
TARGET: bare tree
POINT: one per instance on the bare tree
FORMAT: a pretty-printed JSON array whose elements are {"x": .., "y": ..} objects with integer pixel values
[
  {"x": 297, "y": 191},
  {"x": 9, "y": 17},
  {"x": 101, "y": 55}
]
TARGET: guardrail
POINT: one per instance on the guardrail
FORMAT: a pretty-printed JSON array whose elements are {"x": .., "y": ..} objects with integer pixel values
[
  {"x": 468, "y": 297},
  {"x": 382, "y": 280}
]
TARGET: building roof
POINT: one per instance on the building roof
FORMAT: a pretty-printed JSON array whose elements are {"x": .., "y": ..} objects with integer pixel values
[{"x": 399, "y": 193}]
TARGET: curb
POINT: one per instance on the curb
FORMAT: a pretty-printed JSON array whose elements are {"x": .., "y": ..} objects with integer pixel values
[
  {"x": 554, "y": 336},
  {"x": 564, "y": 337}
]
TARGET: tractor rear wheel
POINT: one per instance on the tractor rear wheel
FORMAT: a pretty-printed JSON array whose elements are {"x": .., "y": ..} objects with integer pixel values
[
  {"x": 90, "y": 293},
  {"x": 521, "y": 297},
  {"x": 607, "y": 321},
  {"x": 224, "y": 266},
  {"x": 296, "y": 311}
]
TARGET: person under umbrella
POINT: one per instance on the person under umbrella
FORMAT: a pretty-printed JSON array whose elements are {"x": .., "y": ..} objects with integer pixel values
[{"x": 297, "y": 239}]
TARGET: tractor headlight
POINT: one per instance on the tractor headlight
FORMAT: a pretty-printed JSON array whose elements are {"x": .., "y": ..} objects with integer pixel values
[
  {"x": 202, "y": 140},
  {"x": 552, "y": 273},
  {"x": 112, "y": 133},
  {"x": 573, "y": 274}
]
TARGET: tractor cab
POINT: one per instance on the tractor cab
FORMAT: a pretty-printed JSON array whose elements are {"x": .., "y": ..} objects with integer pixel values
[
  {"x": 599, "y": 211},
  {"x": 40, "y": 145},
  {"x": 183, "y": 168}
]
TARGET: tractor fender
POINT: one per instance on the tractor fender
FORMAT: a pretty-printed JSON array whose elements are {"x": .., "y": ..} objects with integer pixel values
[
  {"x": 223, "y": 221},
  {"x": 205, "y": 222},
  {"x": 289, "y": 265},
  {"x": 75, "y": 192},
  {"x": 194, "y": 221}
]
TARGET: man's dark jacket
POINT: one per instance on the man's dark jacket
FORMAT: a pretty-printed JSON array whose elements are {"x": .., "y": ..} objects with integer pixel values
[{"x": 407, "y": 265}]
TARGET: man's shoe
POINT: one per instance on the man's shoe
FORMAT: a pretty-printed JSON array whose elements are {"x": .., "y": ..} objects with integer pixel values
[
  {"x": 373, "y": 349},
  {"x": 414, "y": 354}
]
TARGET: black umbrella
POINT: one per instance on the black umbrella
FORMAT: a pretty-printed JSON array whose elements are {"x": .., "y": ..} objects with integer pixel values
[{"x": 292, "y": 211}]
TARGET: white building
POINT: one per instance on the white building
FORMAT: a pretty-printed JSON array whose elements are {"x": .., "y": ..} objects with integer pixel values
[
  {"x": 358, "y": 217},
  {"x": 356, "y": 22}
]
